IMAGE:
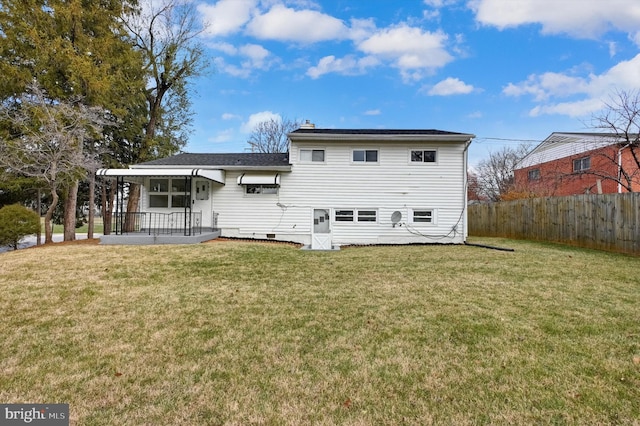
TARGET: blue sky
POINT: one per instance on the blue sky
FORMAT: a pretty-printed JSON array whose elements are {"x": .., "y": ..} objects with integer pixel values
[{"x": 504, "y": 70}]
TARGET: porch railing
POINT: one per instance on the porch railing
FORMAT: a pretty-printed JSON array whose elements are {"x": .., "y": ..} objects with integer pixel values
[{"x": 153, "y": 223}]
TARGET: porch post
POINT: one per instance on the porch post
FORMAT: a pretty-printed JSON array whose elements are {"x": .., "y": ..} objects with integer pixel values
[{"x": 187, "y": 205}]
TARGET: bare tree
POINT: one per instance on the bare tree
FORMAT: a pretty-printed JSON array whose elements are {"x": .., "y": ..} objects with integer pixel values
[
  {"x": 165, "y": 33},
  {"x": 495, "y": 174},
  {"x": 44, "y": 140},
  {"x": 271, "y": 135},
  {"x": 620, "y": 122}
]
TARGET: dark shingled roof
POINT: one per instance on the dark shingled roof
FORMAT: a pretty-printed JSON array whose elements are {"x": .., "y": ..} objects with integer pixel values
[
  {"x": 245, "y": 159},
  {"x": 374, "y": 132}
]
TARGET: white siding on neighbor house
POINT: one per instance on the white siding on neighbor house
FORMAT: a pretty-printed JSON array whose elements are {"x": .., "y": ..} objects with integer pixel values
[{"x": 561, "y": 145}]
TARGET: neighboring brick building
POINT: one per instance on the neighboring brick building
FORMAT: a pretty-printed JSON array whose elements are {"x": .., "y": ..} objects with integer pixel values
[{"x": 577, "y": 163}]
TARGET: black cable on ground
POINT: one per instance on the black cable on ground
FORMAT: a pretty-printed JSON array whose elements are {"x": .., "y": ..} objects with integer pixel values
[{"x": 488, "y": 247}]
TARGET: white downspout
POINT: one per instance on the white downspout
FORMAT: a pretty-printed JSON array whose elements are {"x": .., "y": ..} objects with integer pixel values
[{"x": 465, "y": 160}]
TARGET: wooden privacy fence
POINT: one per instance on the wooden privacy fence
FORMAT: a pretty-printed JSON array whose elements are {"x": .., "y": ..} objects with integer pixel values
[{"x": 606, "y": 222}]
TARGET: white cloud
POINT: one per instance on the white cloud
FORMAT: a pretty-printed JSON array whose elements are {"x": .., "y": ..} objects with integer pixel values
[
  {"x": 256, "y": 54},
  {"x": 373, "y": 112},
  {"x": 587, "y": 92},
  {"x": 579, "y": 18},
  {"x": 258, "y": 117},
  {"x": 450, "y": 86},
  {"x": 349, "y": 65},
  {"x": 301, "y": 26},
  {"x": 410, "y": 49},
  {"x": 227, "y": 48},
  {"x": 222, "y": 136},
  {"x": 230, "y": 116},
  {"x": 255, "y": 57},
  {"x": 226, "y": 16}
]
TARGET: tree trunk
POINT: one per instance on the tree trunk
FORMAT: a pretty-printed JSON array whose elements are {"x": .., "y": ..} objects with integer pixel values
[
  {"x": 132, "y": 207},
  {"x": 92, "y": 202},
  {"x": 39, "y": 210},
  {"x": 48, "y": 229},
  {"x": 70, "y": 205}
]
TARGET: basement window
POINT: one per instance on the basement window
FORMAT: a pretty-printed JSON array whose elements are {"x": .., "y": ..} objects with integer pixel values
[{"x": 423, "y": 216}]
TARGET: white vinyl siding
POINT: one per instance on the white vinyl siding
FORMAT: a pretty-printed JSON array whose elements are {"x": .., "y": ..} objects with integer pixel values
[{"x": 348, "y": 190}]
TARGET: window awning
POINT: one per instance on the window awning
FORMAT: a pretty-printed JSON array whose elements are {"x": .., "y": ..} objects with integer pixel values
[
  {"x": 259, "y": 179},
  {"x": 211, "y": 174}
]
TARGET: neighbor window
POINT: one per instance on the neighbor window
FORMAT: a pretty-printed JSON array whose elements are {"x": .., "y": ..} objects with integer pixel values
[
  {"x": 423, "y": 156},
  {"x": 423, "y": 216},
  {"x": 166, "y": 193},
  {"x": 312, "y": 155},
  {"x": 365, "y": 155},
  {"x": 582, "y": 164},
  {"x": 261, "y": 189},
  {"x": 534, "y": 174}
]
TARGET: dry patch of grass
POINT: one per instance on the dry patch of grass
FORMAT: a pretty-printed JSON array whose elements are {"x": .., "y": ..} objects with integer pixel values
[{"x": 244, "y": 333}]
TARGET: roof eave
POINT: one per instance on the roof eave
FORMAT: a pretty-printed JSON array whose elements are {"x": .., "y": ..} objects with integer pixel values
[
  {"x": 285, "y": 168},
  {"x": 336, "y": 137}
]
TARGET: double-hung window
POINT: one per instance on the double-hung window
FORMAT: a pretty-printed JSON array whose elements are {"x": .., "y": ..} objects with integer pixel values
[
  {"x": 312, "y": 155},
  {"x": 422, "y": 216},
  {"x": 168, "y": 193},
  {"x": 365, "y": 155},
  {"x": 423, "y": 155},
  {"x": 534, "y": 174},
  {"x": 582, "y": 164}
]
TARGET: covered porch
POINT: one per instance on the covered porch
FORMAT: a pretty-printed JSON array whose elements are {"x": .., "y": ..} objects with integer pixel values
[{"x": 166, "y": 213}]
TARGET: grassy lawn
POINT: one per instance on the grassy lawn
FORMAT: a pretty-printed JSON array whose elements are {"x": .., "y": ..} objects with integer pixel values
[
  {"x": 59, "y": 229},
  {"x": 246, "y": 333}
]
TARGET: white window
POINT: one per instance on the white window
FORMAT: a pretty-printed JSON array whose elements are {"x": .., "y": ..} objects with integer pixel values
[
  {"x": 423, "y": 216},
  {"x": 168, "y": 193},
  {"x": 582, "y": 164},
  {"x": 261, "y": 189},
  {"x": 534, "y": 174},
  {"x": 367, "y": 215},
  {"x": 423, "y": 156},
  {"x": 365, "y": 155},
  {"x": 344, "y": 215},
  {"x": 364, "y": 215},
  {"x": 312, "y": 155}
]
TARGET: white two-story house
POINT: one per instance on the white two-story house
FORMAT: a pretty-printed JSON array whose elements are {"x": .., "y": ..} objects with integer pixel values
[{"x": 334, "y": 187}]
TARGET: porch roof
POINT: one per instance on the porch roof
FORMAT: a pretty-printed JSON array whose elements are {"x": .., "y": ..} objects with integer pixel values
[{"x": 215, "y": 175}]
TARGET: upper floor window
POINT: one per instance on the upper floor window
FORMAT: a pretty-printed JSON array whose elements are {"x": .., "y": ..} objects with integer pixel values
[
  {"x": 582, "y": 164},
  {"x": 166, "y": 193},
  {"x": 534, "y": 174},
  {"x": 312, "y": 155},
  {"x": 423, "y": 156},
  {"x": 365, "y": 155}
]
